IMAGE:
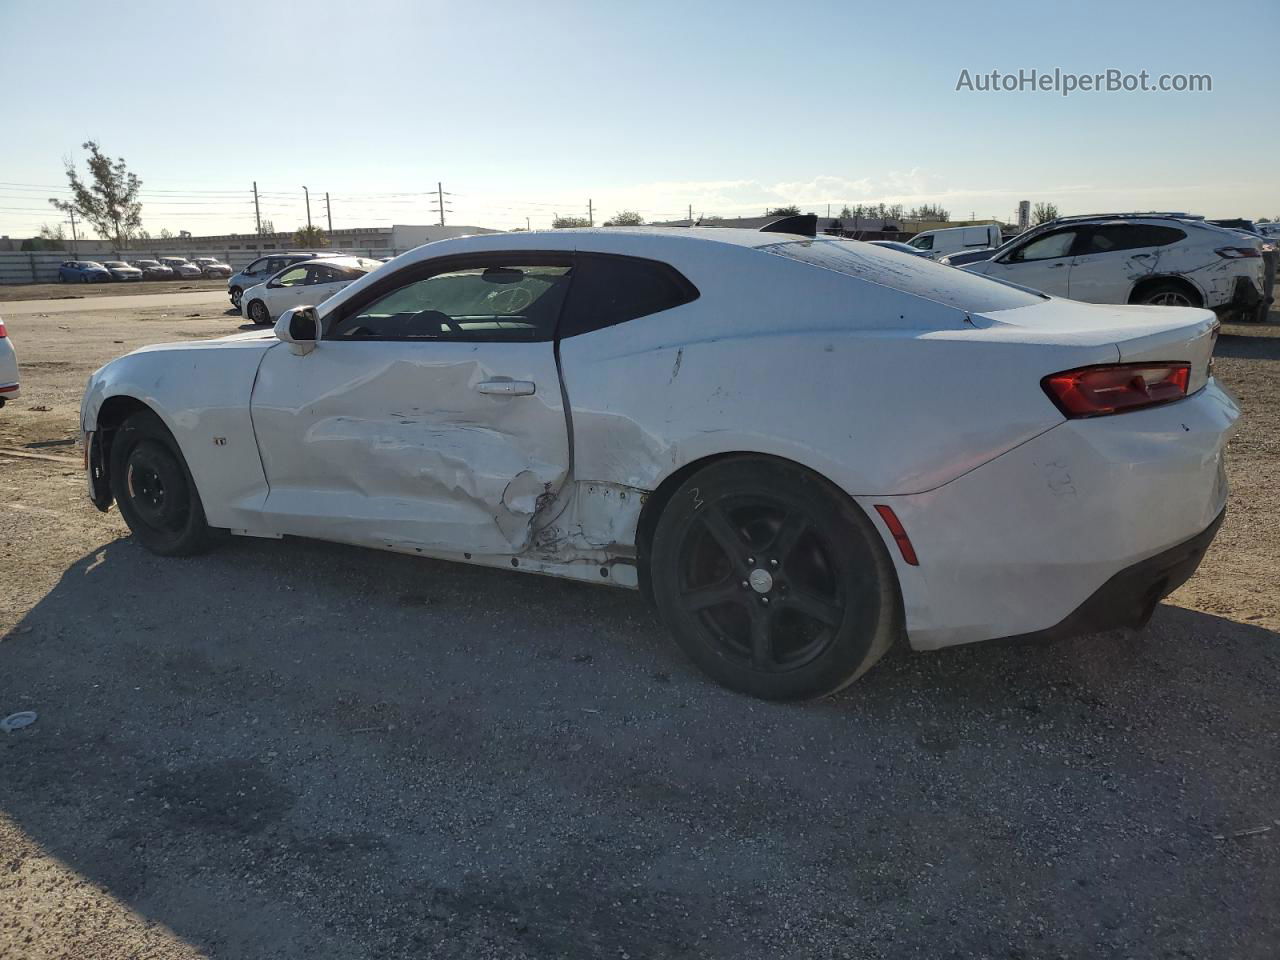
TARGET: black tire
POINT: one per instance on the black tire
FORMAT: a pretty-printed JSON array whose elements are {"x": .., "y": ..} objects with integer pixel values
[
  {"x": 1168, "y": 294},
  {"x": 820, "y": 603},
  {"x": 154, "y": 489},
  {"x": 258, "y": 313},
  {"x": 236, "y": 294},
  {"x": 84, "y": 278}
]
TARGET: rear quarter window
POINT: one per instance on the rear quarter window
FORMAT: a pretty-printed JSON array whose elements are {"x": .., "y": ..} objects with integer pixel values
[
  {"x": 609, "y": 290},
  {"x": 916, "y": 276}
]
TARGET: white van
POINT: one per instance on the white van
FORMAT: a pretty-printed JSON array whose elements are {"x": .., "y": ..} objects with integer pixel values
[{"x": 939, "y": 243}]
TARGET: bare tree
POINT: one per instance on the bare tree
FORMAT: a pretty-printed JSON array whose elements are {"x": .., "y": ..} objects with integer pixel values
[
  {"x": 1043, "y": 213},
  {"x": 108, "y": 201},
  {"x": 267, "y": 228}
]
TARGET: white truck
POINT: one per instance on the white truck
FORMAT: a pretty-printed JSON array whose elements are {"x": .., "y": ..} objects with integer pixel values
[{"x": 939, "y": 243}]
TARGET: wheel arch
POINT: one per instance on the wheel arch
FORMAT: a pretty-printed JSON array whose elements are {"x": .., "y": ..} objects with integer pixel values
[{"x": 1168, "y": 279}]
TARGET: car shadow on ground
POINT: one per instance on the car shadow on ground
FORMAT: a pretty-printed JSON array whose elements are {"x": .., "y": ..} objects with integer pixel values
[
  {"x": 300, "y": 750},
  {"x": 1248, "y": 346}
]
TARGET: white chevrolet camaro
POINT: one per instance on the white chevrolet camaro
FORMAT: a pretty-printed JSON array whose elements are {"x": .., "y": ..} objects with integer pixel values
[{"x": 801, "y": 448}]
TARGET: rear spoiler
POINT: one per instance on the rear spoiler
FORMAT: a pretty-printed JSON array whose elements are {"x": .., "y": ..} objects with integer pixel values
[{"x": 803, "y": 224}]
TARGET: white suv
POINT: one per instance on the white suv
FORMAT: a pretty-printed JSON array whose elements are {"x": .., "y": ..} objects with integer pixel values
[{"x": 1165, "y": 260}]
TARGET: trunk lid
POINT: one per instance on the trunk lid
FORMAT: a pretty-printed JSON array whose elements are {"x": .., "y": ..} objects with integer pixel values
[{"x": 1138, "y": 333}]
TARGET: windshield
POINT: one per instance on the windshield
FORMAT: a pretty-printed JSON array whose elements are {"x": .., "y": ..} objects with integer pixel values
[
  {"x": 91, "y": 263},
  {"x": 116, "y": 263},
  {"x": 917, "y": 276}
]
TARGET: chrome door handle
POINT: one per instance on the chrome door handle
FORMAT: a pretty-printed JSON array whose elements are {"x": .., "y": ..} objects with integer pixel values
[
  {"x": 507, "y": 388},
  {"x": 1055, "y": 266}
]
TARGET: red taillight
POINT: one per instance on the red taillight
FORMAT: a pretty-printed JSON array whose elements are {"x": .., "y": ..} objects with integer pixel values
[
  {"x": 899, "y": 533},
  {"x": 1237, "y": 253},
  {"x": 2, "y": 330},
  {"x": 1116, "y": 388}
]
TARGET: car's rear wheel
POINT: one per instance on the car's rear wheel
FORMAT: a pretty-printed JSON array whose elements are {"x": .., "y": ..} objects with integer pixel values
[
  {"x": 772, "y": 580},
  {"x": 154, "y": 489},
  {"x": 1168, "y": 295},
  {"x": 259, "y": 313},
  {"x": 236, "y": 295}
]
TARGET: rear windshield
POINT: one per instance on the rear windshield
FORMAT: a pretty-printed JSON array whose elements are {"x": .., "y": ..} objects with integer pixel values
[{"x": 915, "y": 275}]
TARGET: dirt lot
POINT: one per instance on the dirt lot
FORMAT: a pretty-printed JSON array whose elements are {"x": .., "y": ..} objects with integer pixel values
[{"x": 290, "y": 749}]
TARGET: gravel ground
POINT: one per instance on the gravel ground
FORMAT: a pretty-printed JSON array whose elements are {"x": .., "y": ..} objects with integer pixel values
[{"x": 298, "y": 750}]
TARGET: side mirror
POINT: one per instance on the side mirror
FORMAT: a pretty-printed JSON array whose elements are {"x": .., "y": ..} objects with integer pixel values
[{"x": 300, "y": 329}]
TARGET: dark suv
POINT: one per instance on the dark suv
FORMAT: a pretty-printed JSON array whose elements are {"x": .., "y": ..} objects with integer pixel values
[{"x": 264, "y": 267}]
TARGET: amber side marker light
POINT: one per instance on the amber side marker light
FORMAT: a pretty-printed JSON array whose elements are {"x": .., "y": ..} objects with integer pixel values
[
  {"x": 899, "y": 534},
  {"x": 1116, "y": 388}
]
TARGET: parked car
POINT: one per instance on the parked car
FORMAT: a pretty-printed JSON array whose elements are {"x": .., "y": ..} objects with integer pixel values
[
  {"x": 652, "y": 409},
  {"x": 939, "y": 243},
  {"x": 900, "y": 247},
  {"x": 311, "y": 282},
  {"x": 154, "y": 270},
  {"x": 9, "y": 385},
  {"x": 1141, "y": 258},
  {"x": 83, "y": 271},
  {"x": 212, "y": 267},
  {"x": 183, "y": 269},
  {"x": 120, "y": 270},
  {"x": 263, "y": 269}
]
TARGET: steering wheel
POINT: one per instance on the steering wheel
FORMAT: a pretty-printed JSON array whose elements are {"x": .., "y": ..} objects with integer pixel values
[{"x": 509, "y": 301}]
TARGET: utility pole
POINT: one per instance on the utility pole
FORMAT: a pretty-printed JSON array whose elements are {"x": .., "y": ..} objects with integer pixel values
[
  {"x": 440, "y": 200},
  {"x": 828, "y": 211},
  {"x": 327, "y": 212},
  {"x": 591, "y": 217},
  {"x": 691, "y": 214},
  {"x": 75, "y": 238},
  {"x": 257, "y": 213},
  {"x": 308, "y": 193},
  {"x": 527, "y": 225}
]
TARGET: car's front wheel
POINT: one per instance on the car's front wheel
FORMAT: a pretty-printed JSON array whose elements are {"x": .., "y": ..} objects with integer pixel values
[
  {"x": 259, "y": 313},
  {"x": 236, "y": 295},
  {"x": 772, "y": 580},
  {"x": 154, "y": 489}
]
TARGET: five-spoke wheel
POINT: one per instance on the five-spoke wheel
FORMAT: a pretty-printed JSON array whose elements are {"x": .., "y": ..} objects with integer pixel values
[{"x": 773, "y": 580}]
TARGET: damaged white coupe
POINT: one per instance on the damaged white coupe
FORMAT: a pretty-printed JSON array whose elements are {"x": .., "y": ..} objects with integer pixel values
[{"x": 801, "y": 448}]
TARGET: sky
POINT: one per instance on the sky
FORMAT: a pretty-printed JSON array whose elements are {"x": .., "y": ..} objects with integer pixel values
[{"x": 528, "y": 110}]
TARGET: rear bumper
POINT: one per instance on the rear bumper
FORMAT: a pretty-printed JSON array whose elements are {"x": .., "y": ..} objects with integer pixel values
[
  {"x": 9, "y": 391},
  {"x": 1248, "y": 302},
  {"x": 1020, "y": 544},
  {"x": 1129, "y": 598}
]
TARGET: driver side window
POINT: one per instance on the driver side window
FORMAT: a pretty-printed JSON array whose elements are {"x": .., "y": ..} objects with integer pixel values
[{"x": 501, "y": 301}]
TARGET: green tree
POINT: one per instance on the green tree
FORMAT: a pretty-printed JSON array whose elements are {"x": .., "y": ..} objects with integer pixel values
[
  {"x": 108, "y": 200},
  {"x": 788, "y": 211},
  {"x": 1043, "y": 213},
  {"x": 625, "y": 218},
  {"x": 166, "y": 233},
  {"x": 560, "y": 223},
  {"x": 310, "y": 237}
]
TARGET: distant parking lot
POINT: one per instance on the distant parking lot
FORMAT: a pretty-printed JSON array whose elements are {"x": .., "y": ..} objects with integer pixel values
[{"x": 293, "y": 749}]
